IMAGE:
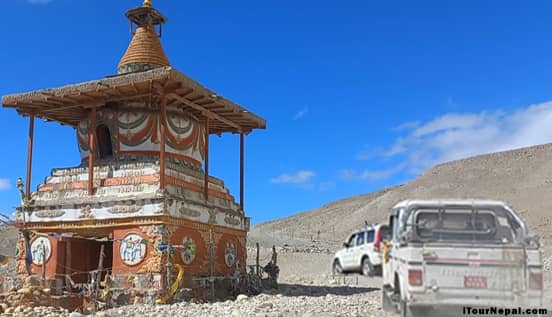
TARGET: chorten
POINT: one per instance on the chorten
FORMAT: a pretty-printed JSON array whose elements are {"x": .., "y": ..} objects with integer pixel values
[{"x": 141, "y": 205}]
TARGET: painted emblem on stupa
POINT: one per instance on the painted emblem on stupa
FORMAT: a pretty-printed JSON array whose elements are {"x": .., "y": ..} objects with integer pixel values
[
  {"x": 132, "y": 249},
  {"x": 41, "y": 249},
  {"x": 230, "y": 254},
  {"x": 189, "y": 250}
]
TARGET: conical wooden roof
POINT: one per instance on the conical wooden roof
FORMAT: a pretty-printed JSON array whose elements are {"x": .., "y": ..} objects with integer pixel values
[{"x": 145, "y": 48}]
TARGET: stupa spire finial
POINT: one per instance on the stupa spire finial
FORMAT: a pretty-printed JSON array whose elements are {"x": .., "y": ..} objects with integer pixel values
[{"x": 144, "y": 51}]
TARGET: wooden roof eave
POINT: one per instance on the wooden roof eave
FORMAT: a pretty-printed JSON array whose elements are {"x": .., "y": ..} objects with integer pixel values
[
  {"x": 190, "y": 83},
  {"x": 66, "y": 104}
]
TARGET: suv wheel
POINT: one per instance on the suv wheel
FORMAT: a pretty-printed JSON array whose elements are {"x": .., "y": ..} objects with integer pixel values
[
  {"x": 337, "y": 269},
  {"x": 367, "y": 267}
]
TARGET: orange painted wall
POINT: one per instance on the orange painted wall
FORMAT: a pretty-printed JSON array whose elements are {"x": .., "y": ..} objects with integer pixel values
[
  {"x": 84, "y": 255},
  {"x": 220, "y": 254},
  {"x": 119, "y": 267},
  {"x": 199, "y": 265},
  {"x": 51, "y": 262}
]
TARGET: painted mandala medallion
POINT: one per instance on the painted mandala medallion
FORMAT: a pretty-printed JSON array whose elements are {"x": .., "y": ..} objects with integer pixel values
[
  {"x": 132, "y": 250},
  {"x": 230, "y": 254},
  {"x": 189, "y": 250},
  {"x": 17, "y": 251},
  {"x": 41, "y": 249}
]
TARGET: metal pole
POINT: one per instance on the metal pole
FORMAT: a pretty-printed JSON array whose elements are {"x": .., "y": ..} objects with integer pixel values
[
  {"x": 92, "y": 149},
  {"x": 206, "y": 180},
  {"x": 163, "y": 122},
  {"x": 29, "y": 157},
  {"x": 242, "y": 146}
]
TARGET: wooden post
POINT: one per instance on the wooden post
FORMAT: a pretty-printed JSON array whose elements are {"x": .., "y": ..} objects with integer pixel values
[
  {"x": 163, "y": 122},
  {"x": 27, "y": 239},
  {"x": 43, "y": 265},
  {"x": 206, "y": 181},
  {"x": 242, "y": 145},
  {"x": 29, "y": 157},
  {"x": 257, "y": 260},
  {"x": 92, "y": 149},
  {"x": 98, "y": 276},
  {"x": 274, "y": 255},
  {"x": 68, "y": 260},
  {"x": 169, "y": 268},
  {"x": 211, "y": 264}
]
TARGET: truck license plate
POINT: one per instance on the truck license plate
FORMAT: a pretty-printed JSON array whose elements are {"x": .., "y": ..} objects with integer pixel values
[{"x": 475, "y": 281}]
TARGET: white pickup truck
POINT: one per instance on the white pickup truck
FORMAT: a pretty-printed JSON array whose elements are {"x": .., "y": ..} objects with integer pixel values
[{"x": 446, "y": 256}]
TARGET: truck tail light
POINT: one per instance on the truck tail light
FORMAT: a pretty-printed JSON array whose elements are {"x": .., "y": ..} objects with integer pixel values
[
  {"x": 535, "y": 280},
  {"x": 377, "y": 240},
  {"x": 415, "y": 277}
]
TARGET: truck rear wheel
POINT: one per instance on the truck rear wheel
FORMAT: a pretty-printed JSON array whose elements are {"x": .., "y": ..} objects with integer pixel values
[
  {"x": 407, "y": 311},
  {"x": 386, "y": 302},
  {"x": 404, "y": 309}
]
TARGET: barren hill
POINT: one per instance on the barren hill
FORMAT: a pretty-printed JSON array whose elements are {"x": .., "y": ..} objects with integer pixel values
[
  {"x": 522, "y": 178},
  {"x": 8, "y": 240}
]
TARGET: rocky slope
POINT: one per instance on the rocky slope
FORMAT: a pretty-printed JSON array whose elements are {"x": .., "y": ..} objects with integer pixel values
[{"x": 522, "y": 178}]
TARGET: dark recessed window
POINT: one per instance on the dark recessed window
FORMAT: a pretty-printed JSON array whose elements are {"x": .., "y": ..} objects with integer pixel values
[{"x": 104, "y": 141}]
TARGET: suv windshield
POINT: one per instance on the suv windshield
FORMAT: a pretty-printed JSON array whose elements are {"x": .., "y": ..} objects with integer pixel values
[{"x": 462, "y": 225}]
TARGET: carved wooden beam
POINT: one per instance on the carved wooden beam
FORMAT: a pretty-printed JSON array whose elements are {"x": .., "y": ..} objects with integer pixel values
[{"x": 204, "y": 111}]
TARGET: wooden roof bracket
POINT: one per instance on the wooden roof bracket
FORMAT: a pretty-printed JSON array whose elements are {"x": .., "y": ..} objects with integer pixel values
[{"x": 205, "y": 111}]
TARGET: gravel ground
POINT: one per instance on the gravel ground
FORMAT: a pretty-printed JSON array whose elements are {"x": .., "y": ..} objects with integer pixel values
[
  {"x": 520, "y": 177},
  {"x": 289, "y": 300},
  {"x": 307, "y": 288}
]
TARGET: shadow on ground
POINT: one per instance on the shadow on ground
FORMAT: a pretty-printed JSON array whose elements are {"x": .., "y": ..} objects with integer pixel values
[{"x": 319, "y": 290}]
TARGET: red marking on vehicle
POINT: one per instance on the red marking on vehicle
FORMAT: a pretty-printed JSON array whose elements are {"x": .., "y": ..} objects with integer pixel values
[
  {"x": 469, "y": 261},
  {"x": 475, "y": 281},
  {"x": 378, "y": 240}
]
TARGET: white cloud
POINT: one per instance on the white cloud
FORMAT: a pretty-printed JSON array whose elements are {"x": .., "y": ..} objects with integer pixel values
[
  {"x": 370, "y": 153},
  {"x": 407, "y": 126},
  {"x": 326, "y": 186},
  {"x": 451, "y": 121},
  {"x": 300, "y": 114},
  {"x": 301, "y": 177},
  {"x": 459, "y": 135},
  {"x": 371, "y": 175},
  {"x": 39, "y": 1},
  {"x": 4, "y": 184}
]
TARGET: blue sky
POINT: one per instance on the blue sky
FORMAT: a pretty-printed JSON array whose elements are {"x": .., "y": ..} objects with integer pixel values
[{"x": 358, "y": 95}]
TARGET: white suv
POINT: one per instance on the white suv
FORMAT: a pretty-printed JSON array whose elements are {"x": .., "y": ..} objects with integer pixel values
[{"x": 361, "y": 252}]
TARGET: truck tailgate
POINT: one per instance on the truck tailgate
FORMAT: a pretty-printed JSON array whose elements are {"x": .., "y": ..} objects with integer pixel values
[{"x": 475, "y": 268}]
